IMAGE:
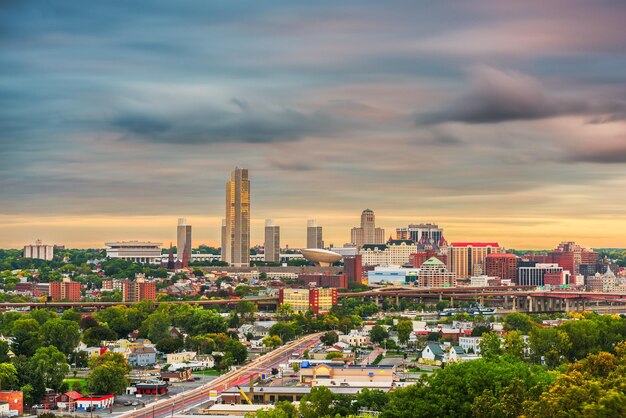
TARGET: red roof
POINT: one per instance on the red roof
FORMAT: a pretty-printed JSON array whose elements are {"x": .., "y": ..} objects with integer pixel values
[
  {"x": 501, "y": 255},
  {"x": 73, "y": 395},
  {"x": 96, "y": 398},
  {"x": 475, "y": 244}
]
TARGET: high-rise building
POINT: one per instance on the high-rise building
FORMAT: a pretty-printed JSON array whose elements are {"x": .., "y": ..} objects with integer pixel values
[
  {"x": 467, "y": 259},
  {"x": 302, "y": 300},
  {"x": 140, "y": 289},
  {"x": 183, "y": 241},
  {"x": 353, "y": 268},
  {"x": 237, "y": 233},
  {"x": 502, "y": 265},
  {"x": 367, "y": 233},
  {"x": 39, "y": 251},
  {"x": 421, "y": 233},
  {"x": 65, "y": 290},
  {"x": 223, "y": 242},
  {"x": 272, "y": 242},
  {"x": 314, "y": 238}
]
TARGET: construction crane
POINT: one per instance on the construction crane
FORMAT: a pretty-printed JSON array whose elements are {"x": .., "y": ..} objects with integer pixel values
[{"x": 244, "y": 396}]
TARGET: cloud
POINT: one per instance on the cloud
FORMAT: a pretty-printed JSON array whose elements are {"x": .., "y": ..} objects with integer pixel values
[
  {"x": 498, "y": 96},
  {"x": 214, "y": 125}
]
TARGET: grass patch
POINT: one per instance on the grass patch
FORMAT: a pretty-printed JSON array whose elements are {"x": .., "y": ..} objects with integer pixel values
[
  {"x": 71, "y": 380},
  {"x": 207, "y": 372}
]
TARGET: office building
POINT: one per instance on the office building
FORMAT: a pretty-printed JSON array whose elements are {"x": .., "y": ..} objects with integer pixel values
[
  {"x": 502, "y": 265},
  {"x": 272, "y": 242},
  {"x": 302, "y": 300},
  {"x": 223, "y": 241},
  {"x": 393, "y": 253},
  {"x": 367, "y": 233},
  {"x": 237, "y": 228},
  {"x": 467, "y": 259},
  {"x": 135, "y": 251},
  {"x": 434, "y": 273},
  {"x": 314, "y": 238},
  {"x": 39, "y": 251},
  {"x": 183, "y": 242},
  {"x": 535, "y": 276},
  {"x": 353, "y": 268},
  {"x": 66, "y": 290},
  {"x": 429, "y": 234}
]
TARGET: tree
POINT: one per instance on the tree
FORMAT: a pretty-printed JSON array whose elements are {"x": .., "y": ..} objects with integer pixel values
[
  {"x": 63, "y": 334},
  {"x": 480, "y": 330},
  {"x": 549, "y": 345},
  {"x": 285, "y": 330},
  {"x": 238, "y": 351},
  {"x": 518, "y": 322},
  {"x": 272, "y": 341},
  {"x": 170, "y": 345},
  {"x": 26, "y": 336},
  {"x": 51, "y": 366},
  {"x": 329, "y": 338},
  {"x": 318, "y": 403},
  {"x": 378, "y": 334},
  {"x": 108, "y": 374},
  {"x": 71, "y": 315},
  {"x": 405, "y": 328},
  {"x": 8, "y": 376},
  {"x": 42, "y": 315},
  {"x": 92, "y": 337},
  {"x": 514, "y": 344},
  {"x": 372, "y": 399},
  {"x": 490, "y": 345},
  {"x": 156, "y": 327},
  {"x": 334, "y": 355}
]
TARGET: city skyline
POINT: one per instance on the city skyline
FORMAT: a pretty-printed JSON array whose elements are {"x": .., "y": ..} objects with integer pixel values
[{"x": 499, "y": 121}]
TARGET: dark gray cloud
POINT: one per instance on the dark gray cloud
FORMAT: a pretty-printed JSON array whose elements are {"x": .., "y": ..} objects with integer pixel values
[
  {"x": 213, "y": 125},
  {"x": 501, "y": 96}
]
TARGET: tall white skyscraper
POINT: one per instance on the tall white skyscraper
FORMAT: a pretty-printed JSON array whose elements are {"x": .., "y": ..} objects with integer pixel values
[
  {"x": 183, "y": 241},
  {"x": 314, "y": 237},
  {"x": 237, "y": 237},
  {"x": 272, "y": 242}
]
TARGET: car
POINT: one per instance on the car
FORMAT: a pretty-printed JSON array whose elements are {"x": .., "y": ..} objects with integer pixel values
[
  {"x": 127, "y": 403},
  {"x": 191, "y": 379},
  {"x": 196, "y": 378},
  {"x": 135, "y": 403}
]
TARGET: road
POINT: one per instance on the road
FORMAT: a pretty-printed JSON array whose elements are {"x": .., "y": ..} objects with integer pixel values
[{"x": 240, "y": 376}]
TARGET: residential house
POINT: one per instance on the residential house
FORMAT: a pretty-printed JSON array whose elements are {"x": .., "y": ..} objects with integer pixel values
[
  {"x": 182, "y": 357},
  {"x": 433, "y": 352},
  {"x": 140, "y": 356},
  {"x": 68, "y": 400}
]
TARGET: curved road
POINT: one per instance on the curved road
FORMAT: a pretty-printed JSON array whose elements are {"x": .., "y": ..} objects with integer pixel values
[{"x": 240, "y": 376}]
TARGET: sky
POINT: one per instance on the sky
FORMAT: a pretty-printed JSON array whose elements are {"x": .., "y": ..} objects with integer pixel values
[{"x": 499, "y": 120}]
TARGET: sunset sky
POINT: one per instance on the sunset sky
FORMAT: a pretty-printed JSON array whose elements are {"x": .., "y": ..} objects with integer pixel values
[{"x": 500, "y": 121}]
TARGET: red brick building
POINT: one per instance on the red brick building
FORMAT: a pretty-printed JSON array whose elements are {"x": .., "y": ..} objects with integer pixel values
[
  {"x": 139, "y": 290},
  {"x": 65, "y": 290},
  {"x": 501, "y": 265},
  {"x": 554, "y": 279},
  {"x": 338, "y": 281},
  {"x": 14, "y": 398},
  {"x": 353, "y": 268},
  {"x": 421, "y": 257}
]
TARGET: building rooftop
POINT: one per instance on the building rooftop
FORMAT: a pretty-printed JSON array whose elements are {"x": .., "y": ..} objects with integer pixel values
[{"x": 475, "y": 244}]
